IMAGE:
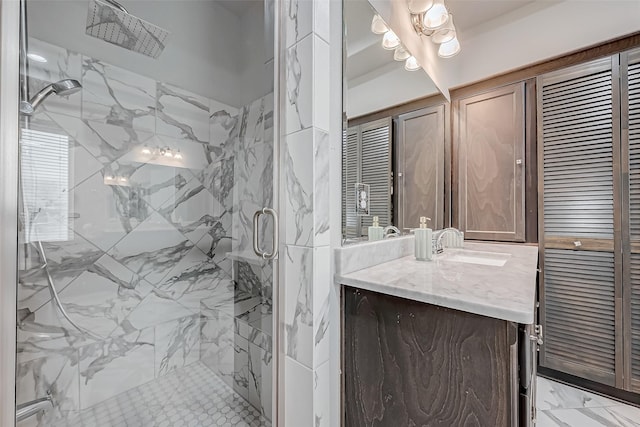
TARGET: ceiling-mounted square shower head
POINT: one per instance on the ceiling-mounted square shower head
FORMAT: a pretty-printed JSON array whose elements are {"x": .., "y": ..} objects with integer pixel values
[{"x": 117, "y": 27}]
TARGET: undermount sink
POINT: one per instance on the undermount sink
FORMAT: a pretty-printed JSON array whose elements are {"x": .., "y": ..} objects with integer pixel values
[{"x": 495, "y": 259}]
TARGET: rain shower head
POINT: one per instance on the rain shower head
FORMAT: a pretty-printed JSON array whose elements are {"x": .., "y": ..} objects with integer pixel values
[
  {"x": 110, "y": 21},
  {"x": 61, "y": 88}
]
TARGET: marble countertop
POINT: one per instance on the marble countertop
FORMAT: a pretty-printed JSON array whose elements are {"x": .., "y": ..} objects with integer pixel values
[{"x": 489, "y": 279}]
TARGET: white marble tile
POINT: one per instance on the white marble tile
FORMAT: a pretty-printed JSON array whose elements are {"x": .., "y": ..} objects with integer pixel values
[
  {"x": 222, "y": 119},
  {"x": 117, "y": 96},
  {"x": 111, "y": 367},
  {"x": 321, "y": 84},
  {"x": 66, "y": 261},
  {"x": 61, "y": 64},
  {"x": 193, "y": 278},
  {"x": 260, "y": 379},
  {"x": 299, "y": 101},
  {"x": 299, "y": 181},
  {"x": 177, "y": 344},
  {"x": 106, "y": 142},
  {"x": 611, "y": 416},
  {"x": 298, "y": 20},
  {"x": 321, "y": 316},
  {"x": 104, "y": 214},
  {"x": 321, "y": 199},
  {"x": 298, "y": 394},
  {"x": 355, "y": 257},
  {"x": 55, "y": 374},
  {"x": 321, "y": 22},
  {"x": 103, "y": 296},
  {"x": 192, "y": 210},
  {"x": 321, "y": 395},
  {"x": 555, "y": 395},
  {"x": 154, "y": 309},
  {"x": 159, "y": 182},
  {"x": 298, "y": 304},
  {"x": 181, "y": 114},
  {"x": 152, "y": 249}
]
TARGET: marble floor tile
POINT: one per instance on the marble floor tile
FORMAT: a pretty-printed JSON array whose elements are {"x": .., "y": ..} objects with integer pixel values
[{"x": 555, "y": 395}]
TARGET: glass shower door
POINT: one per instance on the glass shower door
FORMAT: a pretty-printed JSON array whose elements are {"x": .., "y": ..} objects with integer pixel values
[{"x": 147, "y": 141}]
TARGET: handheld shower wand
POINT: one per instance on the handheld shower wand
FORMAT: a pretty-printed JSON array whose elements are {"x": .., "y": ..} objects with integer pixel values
[{"x": 61, "y": 88}]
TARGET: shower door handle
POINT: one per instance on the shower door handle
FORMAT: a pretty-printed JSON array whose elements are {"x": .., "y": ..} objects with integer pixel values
[{"x": 256, "y": 246}]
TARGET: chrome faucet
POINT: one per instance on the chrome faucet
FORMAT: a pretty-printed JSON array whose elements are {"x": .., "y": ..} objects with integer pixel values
[
  {"x": 439, "y": 234},
  {"x": 394, "y": 231}
]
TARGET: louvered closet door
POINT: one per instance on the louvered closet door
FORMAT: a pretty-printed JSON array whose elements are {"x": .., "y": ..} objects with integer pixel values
[
  {"x": 631, "y": 149},
  {"x": 579, "y": 148},
  {"x": 350, "y": 176},
  {"x": 376, "y": 170}
]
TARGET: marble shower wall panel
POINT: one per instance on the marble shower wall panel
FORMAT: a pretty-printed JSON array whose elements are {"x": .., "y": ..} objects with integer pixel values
[
  {"x": 116, "y": 96},
  {"x": 111, "y": 367},
  {"x": 306, "y": 168},
  {"x": 298, "y": 304},
  {"x": 177, "y": 344},
  {"x": 181, "y": 114},
  {"x": 298, "y": 112},
  {"x": 298, "y": 20}
]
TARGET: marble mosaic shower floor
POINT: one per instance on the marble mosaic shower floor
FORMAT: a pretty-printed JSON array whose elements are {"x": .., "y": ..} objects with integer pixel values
[
  {"x": 565, "y": 406},
  {"x": 192, "y": 397}
]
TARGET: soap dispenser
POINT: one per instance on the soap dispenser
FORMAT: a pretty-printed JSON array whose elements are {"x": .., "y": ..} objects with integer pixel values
[
  {"x": 375, "y": 231},
  {"x": 424, "y": 237}
]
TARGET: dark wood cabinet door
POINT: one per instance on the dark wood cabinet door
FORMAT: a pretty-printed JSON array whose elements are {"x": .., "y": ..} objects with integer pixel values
[
  {"x": 413, "y": 364},
  {"x": 490, "y": 134}
]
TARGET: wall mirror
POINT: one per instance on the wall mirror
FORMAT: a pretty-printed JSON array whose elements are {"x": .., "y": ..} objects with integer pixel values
[{"x": 393, "y": 161}]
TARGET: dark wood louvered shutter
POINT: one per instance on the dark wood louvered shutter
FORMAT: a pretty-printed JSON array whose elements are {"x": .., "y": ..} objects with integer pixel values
[
  {"x": 578, "y": 152},
  {"x": 376, "y": 170},
  {"x": 350, "y": 176},
  {"x": 631, "y": 149}
]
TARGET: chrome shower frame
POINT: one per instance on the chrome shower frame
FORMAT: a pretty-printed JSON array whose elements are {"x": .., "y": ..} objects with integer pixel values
[{"x": 9, "y": 161}]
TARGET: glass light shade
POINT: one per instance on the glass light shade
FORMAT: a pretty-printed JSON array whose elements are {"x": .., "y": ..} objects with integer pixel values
[
  {"x": 390, "y": 41},
  {"x": 446, "y": 33},
  {"x": 419, "y": 6},
  {"x": 411, "y": 64},
  {"x": 401, "y": 53},
  {"x": 36, "y": 57},
  {"x": 378, "y": 26},
  {"x": 449, "y": 49},
  {"x": 436, "y": 16}
]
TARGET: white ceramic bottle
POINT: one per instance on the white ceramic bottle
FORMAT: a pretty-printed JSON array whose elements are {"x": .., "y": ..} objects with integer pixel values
[
  {"x": 375, "y": 232},
  {"x": 424, "y": 237}
]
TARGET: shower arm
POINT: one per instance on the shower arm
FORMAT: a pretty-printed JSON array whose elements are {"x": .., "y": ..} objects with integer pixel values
[{"x": 56, "y": 298}]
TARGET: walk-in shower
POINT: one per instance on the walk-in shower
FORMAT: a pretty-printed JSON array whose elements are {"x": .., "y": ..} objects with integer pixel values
[{"x": 140, "y": 300}]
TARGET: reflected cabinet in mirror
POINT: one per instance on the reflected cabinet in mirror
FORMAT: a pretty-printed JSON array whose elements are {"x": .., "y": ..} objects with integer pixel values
[{"x": 398, "y": 155}]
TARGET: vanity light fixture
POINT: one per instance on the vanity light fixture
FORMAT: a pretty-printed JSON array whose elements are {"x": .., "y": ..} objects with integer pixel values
[
  {"x": 390, "y": 41},
  {"x": 146, "y": 150},
  {"x": 411, "y": 64},
  {"x": 436, "y": 23},
  {"x": 378, "y": 26},
  {"x": 401, "y": 53},
  {"x": 178, "y": 155}
]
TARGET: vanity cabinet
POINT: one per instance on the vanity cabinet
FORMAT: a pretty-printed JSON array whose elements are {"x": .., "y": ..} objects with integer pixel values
[
  {"x": 489, "y": 133},
  {"x": 410, "y": 363}
]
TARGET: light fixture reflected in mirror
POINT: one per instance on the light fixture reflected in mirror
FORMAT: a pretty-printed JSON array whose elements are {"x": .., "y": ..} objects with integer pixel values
[
  {"x": 436, "y": 16},
  {"x": 419, "y": 6},
  {"x": 390, "y": 41},
  {"x": 446, "y": 33},
  {"x": 378, "y": 26},
  {"x": 449, "y": 49},
  {"x": 401, "y": 53},
  {"x": 411, "y": 64}
]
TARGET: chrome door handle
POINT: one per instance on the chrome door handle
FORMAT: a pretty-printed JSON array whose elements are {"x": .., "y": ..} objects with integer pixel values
[{"x": 256, "y": 246}]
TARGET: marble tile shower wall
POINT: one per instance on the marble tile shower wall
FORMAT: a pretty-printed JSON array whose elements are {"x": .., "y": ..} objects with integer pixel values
[{"x": 144, "y": 265}]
